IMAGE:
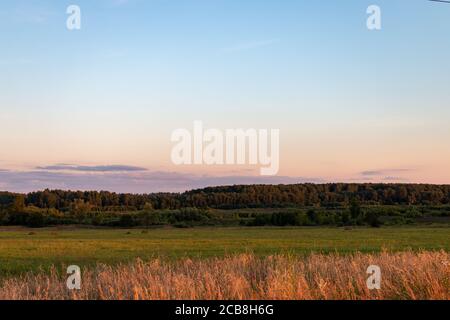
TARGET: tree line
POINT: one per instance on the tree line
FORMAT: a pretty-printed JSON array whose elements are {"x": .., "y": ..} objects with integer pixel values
[
  {"x": 238, "y": 196},
  {"x": 295, "y": 205}
]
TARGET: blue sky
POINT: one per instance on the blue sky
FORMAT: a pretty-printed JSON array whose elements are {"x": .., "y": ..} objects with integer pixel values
[{"x": 347, "y": 100}]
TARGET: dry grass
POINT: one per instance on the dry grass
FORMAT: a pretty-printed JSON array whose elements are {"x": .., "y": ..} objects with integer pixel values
[{"x": 405, "y": 275}]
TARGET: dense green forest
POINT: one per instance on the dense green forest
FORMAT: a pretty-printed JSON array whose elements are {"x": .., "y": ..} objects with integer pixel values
[{"x": 300, "y": 204}]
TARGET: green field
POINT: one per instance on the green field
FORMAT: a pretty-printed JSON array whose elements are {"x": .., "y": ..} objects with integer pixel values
[{"x": 24, "y": 250}]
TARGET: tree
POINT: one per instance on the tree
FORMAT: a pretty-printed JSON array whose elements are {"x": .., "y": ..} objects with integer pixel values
[
  {"x": 345, "y": 218},
  {"x": 372, "y": 219},
  {"x": 35, "y": 219},
  {"x": 355, "y": 209},
  {"x": 18, "y": 204},
  {"x": 126, "y": 220},
  {"x": 312, "y": 216},
  {"x": 149, "y": 216}
]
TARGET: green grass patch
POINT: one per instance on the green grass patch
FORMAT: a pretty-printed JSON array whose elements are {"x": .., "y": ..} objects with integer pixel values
[{"x": 23, "y": 250}]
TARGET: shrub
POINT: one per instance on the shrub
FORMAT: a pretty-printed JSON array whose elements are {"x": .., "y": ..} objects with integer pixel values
[
  {"x": 373, "y": 219},
  {"x": 126, "y": 221},
  {"x": 35, "y": 220}
]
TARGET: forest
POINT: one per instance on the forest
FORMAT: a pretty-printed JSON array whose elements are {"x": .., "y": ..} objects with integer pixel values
[{"x": 251, "y": 205}]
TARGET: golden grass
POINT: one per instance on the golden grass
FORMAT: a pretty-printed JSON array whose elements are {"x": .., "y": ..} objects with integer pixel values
[{"x": 405, "y": 275}]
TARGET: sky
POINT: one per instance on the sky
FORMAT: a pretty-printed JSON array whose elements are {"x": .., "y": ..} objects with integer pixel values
[{"x": 94, "y": 109}]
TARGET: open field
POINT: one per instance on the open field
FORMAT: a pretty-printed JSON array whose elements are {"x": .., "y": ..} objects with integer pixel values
[
  {"x": 23, "y": 250},
  {"x": 404, "y": 275}
]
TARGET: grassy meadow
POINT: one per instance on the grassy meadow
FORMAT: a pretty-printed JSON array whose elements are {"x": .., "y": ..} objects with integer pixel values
[
  {"x": 31, "y": 250},
  {"x": 404, "y": 275}
]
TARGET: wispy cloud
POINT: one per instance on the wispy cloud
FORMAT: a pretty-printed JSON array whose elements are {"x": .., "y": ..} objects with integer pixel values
[
  {"x": 394, "y": 179},
  {"x": 133, "y": 182},
  {"x": 389, "y": 175},
  {"x": 250, "y": 45},
  {"x": 108, "y": 168},
  {"x": 384, "y": 172},
  {"x": 27, "y": 13}
]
